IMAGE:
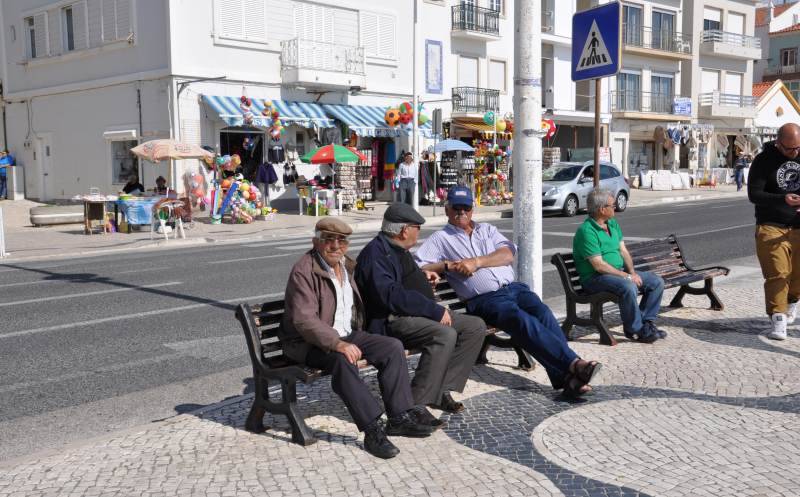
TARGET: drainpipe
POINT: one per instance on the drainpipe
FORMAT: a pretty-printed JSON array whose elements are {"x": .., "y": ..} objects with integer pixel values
[{"x": 138, "y": 105}]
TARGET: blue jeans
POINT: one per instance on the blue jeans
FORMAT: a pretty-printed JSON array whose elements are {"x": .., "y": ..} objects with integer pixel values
[
  {"x": 633, "y": 314},
  {"x": 519, "y": 312},
  {"x": 738, "y": 174},
  {"x": 405, "y": 193},
  {"x": 3, "y": 190}
]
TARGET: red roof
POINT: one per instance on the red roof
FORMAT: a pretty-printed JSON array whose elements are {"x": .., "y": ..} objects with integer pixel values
[
  {"x": 759, "y": 89},
  {"x": 796, "y": 27},
  {"x": 761, "y": 13}
]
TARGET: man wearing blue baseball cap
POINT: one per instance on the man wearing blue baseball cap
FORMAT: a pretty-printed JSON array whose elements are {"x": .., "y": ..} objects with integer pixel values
[{"x": 477, "y": 260}]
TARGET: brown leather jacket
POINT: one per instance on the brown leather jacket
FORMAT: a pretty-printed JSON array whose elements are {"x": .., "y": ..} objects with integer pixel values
[{"x": 311, "y": 307}]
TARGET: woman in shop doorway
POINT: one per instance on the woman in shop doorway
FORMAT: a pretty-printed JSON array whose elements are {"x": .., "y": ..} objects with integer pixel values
[
  {"x": 161, "y": 185},
  {"x": 408, "y": 173},
  {"x": 738, "y": 170}
]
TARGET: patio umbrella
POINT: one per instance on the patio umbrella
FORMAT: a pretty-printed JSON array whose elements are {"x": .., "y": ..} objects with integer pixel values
[
  {"x": 168, "y": 149},
  {"x": 450, "y": 145},
  {"x": 332, "y": 153}
]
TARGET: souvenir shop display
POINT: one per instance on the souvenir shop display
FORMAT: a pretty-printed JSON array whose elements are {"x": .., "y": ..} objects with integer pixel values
[{"x": 491, "y": 176}]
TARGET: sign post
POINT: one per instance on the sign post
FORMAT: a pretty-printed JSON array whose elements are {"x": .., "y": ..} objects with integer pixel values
[{"x": 596, "y": 54}]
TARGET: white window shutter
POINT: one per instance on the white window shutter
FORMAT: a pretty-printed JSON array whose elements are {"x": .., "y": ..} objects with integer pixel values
[
  {"x": 123, "y": 19},
  {"x": 328, "y": 25},
  {"x": 231, "y": 15},
  {"x": 54, "y": 31},
  {"x": 386, "y": 36},
  {"x": 40, "y": 34},
  {"x": 369, "y": 33},
  {"x": 95, "y": 38},
  {"x": 303, "y": 23},
  {"x": 79, "y": 26},
  {"x": 255, "y": 22},
  {"x": 109, "y": 20}
]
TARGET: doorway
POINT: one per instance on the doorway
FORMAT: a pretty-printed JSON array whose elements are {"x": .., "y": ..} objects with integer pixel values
[
  {"x": 232, "y": 142},
  {"x": 44, "y": 155}
]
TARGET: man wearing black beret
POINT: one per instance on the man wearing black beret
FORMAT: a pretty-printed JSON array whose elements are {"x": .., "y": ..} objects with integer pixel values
[{"x": 399, "y": 302}]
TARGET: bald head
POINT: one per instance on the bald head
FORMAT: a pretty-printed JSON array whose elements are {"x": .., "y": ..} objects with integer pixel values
[{"x": 788, "y": 142}]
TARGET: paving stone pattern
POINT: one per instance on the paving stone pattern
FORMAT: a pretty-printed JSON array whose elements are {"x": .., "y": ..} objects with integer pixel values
[{"x": 712, "y": 410}]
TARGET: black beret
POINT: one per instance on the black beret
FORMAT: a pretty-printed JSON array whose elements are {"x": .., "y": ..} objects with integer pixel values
[{"x": 400, "y": 212}]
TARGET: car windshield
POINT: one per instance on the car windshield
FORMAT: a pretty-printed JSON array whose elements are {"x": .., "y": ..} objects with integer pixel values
[{"x": 561, "y": 173}]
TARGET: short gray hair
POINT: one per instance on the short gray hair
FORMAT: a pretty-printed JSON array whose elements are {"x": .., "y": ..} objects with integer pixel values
[
  {"x": 597, "y": 200},
  {"x": 392, "y": 229}
]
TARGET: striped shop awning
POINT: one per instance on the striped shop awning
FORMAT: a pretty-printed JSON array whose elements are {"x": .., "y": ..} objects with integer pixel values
[
  {"x": 368, "y": 120},
  {"x": 304, "y": 114}
]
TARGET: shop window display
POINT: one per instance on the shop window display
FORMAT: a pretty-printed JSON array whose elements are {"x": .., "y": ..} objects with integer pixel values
[{"x": 123, "y": 163}]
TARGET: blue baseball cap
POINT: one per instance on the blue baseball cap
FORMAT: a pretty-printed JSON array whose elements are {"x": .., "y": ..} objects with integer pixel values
[{"x": 460, "y": 195}]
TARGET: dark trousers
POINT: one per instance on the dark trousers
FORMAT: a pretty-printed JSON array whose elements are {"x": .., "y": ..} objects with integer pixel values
[
  {"x": 448, "y": 352},
  {"x": 3, "y": 191},
  {"x": 738, "y": 174},
  {"x": 519, "y": 312},
  {"x": 388, "y": 357}
]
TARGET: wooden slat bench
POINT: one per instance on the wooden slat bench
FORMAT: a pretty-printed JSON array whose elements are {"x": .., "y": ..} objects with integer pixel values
[
  {"x": 663, "y": 257},
  {"x": 260, "y": 324}
]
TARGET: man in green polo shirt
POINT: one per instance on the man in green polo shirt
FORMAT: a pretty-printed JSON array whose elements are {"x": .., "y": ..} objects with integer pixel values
[{"x": 605, "y": 265}]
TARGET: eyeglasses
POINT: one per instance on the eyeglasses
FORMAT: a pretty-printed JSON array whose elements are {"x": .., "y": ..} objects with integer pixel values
[
  {"x": 462, "y": 208},
  {"x": 329, "y": 239},
  {"x": 789, "y": 149},
  {"x": 612, "y": 205},
  {"x": 414, "y": 226}
]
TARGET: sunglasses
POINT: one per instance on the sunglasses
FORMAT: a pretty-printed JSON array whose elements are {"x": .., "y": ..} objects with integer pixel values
[
  {"x": 789, "y": 149},
  {"x": 462, "y": 208}
]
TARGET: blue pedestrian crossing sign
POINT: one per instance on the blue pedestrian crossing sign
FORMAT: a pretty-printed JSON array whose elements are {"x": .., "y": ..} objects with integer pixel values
[{"x": 597, "y": 42}]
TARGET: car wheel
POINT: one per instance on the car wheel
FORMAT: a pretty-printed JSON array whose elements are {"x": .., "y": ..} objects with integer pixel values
[
  {"x": 622, "y": 202},
  {"x": 570, "y": 206}
]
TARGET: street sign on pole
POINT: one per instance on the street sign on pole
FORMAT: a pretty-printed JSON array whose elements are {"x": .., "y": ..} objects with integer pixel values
[
  {"x": 597, "y": 42},
  {"x": 597, "y": 53}
]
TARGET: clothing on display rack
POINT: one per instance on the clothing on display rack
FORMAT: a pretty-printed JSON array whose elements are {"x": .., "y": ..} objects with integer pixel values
[
  {"x": 276, "y": 153},
  {"x": 289, "y": 174},
  {"x": 266, "y": 174}
]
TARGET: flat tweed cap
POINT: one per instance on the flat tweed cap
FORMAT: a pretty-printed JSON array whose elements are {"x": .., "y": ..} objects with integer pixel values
[
  {"x": 333, "y": 225},
  {"x": 399, "y": 212}
]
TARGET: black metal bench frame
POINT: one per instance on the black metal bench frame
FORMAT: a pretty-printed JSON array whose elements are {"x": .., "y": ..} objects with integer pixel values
[
  {"x": 260, "y": 324},
  {"x": 663, "y": 257}
]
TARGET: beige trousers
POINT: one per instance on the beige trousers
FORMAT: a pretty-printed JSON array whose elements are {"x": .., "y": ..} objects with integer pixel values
[{"x": 778, "y": 251}]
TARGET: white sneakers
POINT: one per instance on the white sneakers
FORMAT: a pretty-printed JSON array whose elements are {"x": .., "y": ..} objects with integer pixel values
[
  {"x": 779, "y": 326},
  {"x": 791, "y": 313}
]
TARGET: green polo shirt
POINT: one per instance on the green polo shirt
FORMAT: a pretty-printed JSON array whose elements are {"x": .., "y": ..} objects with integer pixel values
[{"x": 591, "y": 240}]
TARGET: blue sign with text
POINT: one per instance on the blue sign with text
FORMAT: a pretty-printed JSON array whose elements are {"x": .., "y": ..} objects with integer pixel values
[{"x": 597, "y": 42}]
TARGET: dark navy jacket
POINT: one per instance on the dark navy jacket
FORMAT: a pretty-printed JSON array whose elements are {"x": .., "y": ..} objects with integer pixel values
[{"x": 379, "y": 275}]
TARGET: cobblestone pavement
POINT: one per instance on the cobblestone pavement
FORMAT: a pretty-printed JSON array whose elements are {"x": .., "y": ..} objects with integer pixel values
[{"x": 712, "y": 410}]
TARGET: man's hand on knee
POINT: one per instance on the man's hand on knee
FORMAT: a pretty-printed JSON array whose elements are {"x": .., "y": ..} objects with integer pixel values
[
  {"x": 446, "y": 319},
  {"x": 350, "y": 351}
]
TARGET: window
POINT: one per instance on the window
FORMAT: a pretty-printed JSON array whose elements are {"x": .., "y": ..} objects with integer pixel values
[
  {"x": 68, "y": 29},
  {"x": 794, "y": 88},
  {"x": 496, "y": 5},
  {"x": 242, "y": 20},
  {"x": 709, "y": 81},
  {"x": 632, "y": 25},
  {"x": 468, "y": 71},
  {"x": 661, "y": 93},
  {"x": 712, "y": 19},
  {"x": 629, "y": 89},
  {"x": 663, "y": 30},
  {"x": 36, "y": 28},
  {"x": 735, "y": 23},
  {"x": 608, "y": 172},
  {"x": 378, "y": 35},
  {"x": 123, "y": 162},
  {"x": 788, "y": 57},
  {"x": 497, "y": 75},
  {"x": 733, "y": 83}
]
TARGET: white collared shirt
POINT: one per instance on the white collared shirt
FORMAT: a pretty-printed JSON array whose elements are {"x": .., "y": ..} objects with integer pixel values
[{"x": 342, "y": 321}]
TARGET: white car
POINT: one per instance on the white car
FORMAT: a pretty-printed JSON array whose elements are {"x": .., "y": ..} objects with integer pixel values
[{"x": 566, "y": 186}]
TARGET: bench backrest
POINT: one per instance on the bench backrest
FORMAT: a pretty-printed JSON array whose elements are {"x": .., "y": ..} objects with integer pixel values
[
  {"x": 261, "y": 322},
  {"x": 661, "y": 256}
]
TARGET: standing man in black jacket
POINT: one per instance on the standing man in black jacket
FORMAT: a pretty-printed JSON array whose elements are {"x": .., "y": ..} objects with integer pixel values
[{"x": 774, "y": 187}]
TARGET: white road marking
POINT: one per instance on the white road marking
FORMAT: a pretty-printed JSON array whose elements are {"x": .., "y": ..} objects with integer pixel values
[
  {"x": 137, "y": 315},
  {"x": 88, "y": 294},
  {"x": 145, "y": 269},
  {"x": 36, "y": 282},
  {"x": 750, "y": 225},
  {"x": 661, "y": 213},
  {"x": 226, "y": 261},
  {"x": 294, "y": 240}
]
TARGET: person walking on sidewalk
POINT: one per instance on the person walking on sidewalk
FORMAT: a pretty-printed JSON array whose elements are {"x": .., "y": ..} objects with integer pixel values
[
  {"x": 738, "y": 170},
  {"x": 605, "y": 265},
  {"x": 323, "y": 328},
  {"x": 773, "y": 185},
  {"x": 6, "y": 161},
  {"x": 400, "y": 303},
  {"x": 408, "y": 173}
]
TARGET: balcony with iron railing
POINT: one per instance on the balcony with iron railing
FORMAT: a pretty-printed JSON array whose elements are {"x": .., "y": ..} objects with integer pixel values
[
  {"x": 471, "y": 21},
  {"x": 472, "y": 100},
  {"x": 785, "y": 71},
  {"x": 731, "y": 45},
  {"x": 644, "y": 105},
  {"x": 662, "y": 42},
  {"x": 719, "y": 105},
  {"x": 320, "y": 64}
]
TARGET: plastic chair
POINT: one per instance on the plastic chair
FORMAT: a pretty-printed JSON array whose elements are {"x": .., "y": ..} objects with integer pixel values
[{"x": 163, "y": 212}]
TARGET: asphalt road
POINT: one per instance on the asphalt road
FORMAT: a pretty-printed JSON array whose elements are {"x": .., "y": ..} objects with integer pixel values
[{"x": 93, "y": 345}]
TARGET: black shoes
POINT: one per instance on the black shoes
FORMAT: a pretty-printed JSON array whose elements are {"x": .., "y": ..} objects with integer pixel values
[
  {"x": 447, "y": 404},
  {"x": 376, "y": 443},
  {"x": 645, "y": 335},
  {"x": 655, "y": 331},
  {"x": 406, "y": 425},
  {"x": 424, "y": 417}
]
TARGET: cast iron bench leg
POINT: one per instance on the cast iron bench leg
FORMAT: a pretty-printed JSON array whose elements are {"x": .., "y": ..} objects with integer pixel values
[
  {"x": 716, "y": 303},
  {"x": 255, "y": 419},
  {"x": 677, "y": 300},
  {"x": 301, "y": 433},
  {"x": 566, "y": 326},
  {"x": 482, "y": 358},
  {"x": 597, "y": 318},
  {"x": 524, "y": 359}
]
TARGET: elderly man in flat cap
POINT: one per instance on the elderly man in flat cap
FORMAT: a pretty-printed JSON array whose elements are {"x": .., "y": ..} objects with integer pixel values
[
  {"x": 400, "y": 303},
  {"x": 323, "y": 328}
]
